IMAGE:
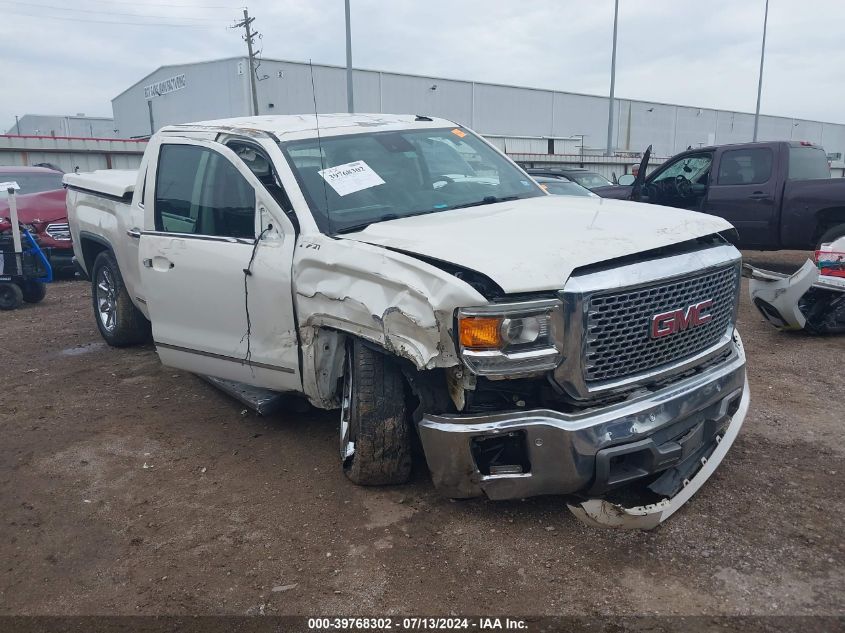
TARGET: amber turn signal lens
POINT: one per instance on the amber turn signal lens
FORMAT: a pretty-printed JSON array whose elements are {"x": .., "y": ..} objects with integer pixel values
[{"x": 480, "y": 332}]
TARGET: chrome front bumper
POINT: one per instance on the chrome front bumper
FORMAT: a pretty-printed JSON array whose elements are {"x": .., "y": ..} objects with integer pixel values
[{"x": 562, "y": 448}]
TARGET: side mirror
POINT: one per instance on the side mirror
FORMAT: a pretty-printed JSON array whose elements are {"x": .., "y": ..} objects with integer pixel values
[{"x": 626, "y": 179}]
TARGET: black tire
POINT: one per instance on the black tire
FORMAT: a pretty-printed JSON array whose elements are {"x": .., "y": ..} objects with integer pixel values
[
  {"x": 11, "y": 296},
  {"x": 379, "y": 423},
  {"x": 831, "y": 234},
  {"x": 126, "y": 325},
  {"x": 33, "y": 291}
]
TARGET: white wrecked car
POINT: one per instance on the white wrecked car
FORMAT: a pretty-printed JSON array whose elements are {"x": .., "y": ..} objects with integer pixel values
[
  {"x": 404, "y": 271},
  {"x": 811, "y": 299}
]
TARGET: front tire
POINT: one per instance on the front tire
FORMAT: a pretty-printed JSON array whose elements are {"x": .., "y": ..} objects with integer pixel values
[
  {"x": 11, "y": 296},
  {"x": 121, "y": 324},
  {"x": 375, "y": 431}
]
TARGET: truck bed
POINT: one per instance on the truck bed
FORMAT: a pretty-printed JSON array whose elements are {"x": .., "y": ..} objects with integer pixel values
[
  {"x": 114, "y": 183},
  {"x": 100, "y": 212}
]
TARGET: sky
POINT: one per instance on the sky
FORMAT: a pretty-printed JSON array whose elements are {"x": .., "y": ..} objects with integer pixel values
[{"x": 70, "y": 57}]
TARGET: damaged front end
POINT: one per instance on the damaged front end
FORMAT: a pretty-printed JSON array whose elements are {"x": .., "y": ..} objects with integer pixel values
[
  {"x": 656, "y": 447},
  {"x": 646, "y": 393}
]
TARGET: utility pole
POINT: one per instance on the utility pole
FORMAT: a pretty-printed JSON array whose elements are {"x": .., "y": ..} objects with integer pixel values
[
  {"x": 17, "y": 126},
  {"x": 609, "y": 151},
  {"x": 350, "y": 101},
  {"x": 250, "y": 35},
  {"x": 152, "y": 122},
  {"x": 760, "y": 80}
]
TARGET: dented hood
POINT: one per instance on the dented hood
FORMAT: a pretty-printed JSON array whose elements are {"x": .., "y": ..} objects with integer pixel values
[{"x": 536, "y": 243}]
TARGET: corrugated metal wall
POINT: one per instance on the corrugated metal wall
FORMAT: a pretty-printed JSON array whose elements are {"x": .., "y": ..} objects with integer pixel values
[
  {"x": 71, "y": 153},
  {"x": 220, "y": 89},
  {"x": 81, "y": 126},
  {"x": 213, "y": 90}
]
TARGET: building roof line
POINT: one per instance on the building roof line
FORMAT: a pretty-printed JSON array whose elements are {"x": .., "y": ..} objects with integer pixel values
[
  {"x": 66, "y": 116},
  {"x": 486, "y": 83},
  {"x": 151, "y": 73},
  {"x": 552, "y": 90}
]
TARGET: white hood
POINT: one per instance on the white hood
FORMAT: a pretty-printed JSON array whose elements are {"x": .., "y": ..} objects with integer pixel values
[{"x": 535, "y": 244}]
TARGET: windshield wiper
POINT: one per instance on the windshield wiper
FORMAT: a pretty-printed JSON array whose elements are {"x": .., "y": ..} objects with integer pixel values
[
  {"x": 485, "y": 200},
  {"x": 392, "y": 216},
  {"x": 361, "y": 226}
]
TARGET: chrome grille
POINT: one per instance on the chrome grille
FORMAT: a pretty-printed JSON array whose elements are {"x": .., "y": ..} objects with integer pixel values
[
  {"x": 58, "y": 230},
  {"x": 619, "y": 344}
]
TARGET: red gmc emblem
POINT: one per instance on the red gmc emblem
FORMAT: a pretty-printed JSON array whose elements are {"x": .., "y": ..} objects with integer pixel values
[{"x": 668, "y": 323}]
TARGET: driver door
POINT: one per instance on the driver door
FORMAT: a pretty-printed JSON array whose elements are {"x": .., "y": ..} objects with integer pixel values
[
  {"x": 208, "y": 315},
  {"x": 681, "y": 183}
]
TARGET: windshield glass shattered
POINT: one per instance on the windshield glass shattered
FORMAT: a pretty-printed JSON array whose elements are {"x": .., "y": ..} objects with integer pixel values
[{"x": 355, "y": 180}]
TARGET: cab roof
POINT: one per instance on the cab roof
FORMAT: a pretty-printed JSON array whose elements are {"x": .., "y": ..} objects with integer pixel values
[{"x": 299, "y": 126}]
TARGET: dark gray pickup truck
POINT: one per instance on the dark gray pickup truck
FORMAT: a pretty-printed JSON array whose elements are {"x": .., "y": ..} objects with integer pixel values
[{"x": 778, "y": 195}]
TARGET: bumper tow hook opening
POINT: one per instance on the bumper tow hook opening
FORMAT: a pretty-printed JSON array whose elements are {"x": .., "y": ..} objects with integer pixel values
[{"x": 505, "y": 454}]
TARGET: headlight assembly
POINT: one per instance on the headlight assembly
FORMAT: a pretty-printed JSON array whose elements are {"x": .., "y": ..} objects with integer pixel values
[{"x": 511, "y": 339}]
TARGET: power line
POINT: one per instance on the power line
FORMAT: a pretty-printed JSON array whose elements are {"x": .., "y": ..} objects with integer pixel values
[
  {"x": 88, "y": 21},
  {"x": 106, "y": 13},
  {"x": 164, "y": 4}
]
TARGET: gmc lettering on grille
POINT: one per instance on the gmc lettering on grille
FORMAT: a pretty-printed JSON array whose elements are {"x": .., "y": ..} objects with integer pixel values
[{"x": 676, "y": 321}]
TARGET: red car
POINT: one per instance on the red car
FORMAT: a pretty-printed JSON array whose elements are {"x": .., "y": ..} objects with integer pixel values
[{"x": 41, "y": 207}]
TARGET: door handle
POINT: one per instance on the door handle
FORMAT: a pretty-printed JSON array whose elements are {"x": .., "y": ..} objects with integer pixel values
[
  {"x": 161, "y": 263},
  {"x": 759, "y": 195},
  {"x": 135, "y": 232}
]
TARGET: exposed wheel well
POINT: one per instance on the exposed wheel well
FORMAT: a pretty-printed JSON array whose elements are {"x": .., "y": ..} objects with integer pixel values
[
  {"x": 826, "y": 219},
  {"x": 427, "y": 390},
  {"x": 91, "y": 247}
]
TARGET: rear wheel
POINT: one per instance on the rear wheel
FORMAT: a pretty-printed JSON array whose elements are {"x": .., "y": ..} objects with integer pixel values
[
  {"x": 831, "y": 234},
  {"x": 375, "y": 432},
  {"x": 33, "y": 291},
  {"x": 11, "y": 296},
  {"x": 120, "y": 323}
]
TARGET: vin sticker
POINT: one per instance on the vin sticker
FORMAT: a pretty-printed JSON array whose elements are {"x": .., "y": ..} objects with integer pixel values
[{"x": 351, "y": 177}]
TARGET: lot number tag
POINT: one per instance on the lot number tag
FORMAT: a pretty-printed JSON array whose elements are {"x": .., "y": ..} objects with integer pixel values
[{"x": 351, "y": 177}]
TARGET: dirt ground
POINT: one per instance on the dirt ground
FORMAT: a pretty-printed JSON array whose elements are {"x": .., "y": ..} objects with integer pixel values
[{"x": 130, "y": 488}]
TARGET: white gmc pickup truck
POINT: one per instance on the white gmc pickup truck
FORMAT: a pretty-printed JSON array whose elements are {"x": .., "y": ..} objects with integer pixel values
[{"x": 404, "y": 271}]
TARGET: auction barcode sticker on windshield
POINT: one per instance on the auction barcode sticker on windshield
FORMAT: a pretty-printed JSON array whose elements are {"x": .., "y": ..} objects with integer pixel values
[{"x": 351, "y": 177}]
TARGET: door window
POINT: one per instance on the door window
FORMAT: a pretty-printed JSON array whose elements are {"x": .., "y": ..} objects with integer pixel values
[
  {"x": 199, "y": 192},
  {"x": 693, "y": 168},
  {"x": 746, "y": 166}
]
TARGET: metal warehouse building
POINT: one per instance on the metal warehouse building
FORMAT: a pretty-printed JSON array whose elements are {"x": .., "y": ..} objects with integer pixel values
[
  {"x": 80, "y": 126},
  {"x": 518, "y": 119}
]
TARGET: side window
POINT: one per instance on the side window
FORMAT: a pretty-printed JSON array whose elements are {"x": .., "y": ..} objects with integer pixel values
[
  {"x": 808, "y": 163},
  {"x": 199, "y": 192},
  {"x": 746, "y": 166}
]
